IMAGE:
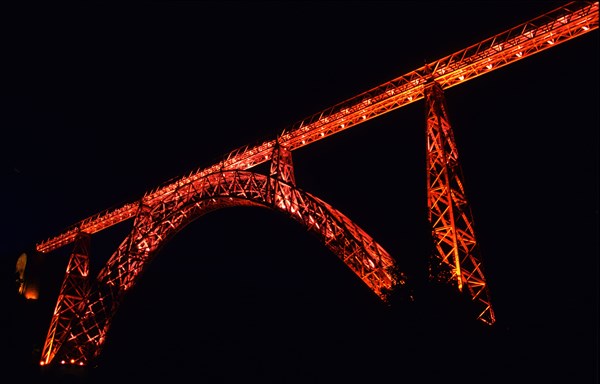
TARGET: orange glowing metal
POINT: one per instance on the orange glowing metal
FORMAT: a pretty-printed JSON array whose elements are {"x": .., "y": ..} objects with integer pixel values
[
  {"x": 86, "y": 305},
  {"x": 563, "y": 24}
]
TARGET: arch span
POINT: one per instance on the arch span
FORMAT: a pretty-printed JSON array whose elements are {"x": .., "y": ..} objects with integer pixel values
[{"x": 158, "y": 220}]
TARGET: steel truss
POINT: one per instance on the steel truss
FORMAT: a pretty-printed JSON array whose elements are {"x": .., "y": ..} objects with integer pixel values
[
  {"x": 80, "y": 340},
  {"x": 85, "y": 308},
  {"x": 457, "y": 258},
  {"x": 544, "y": 32}
]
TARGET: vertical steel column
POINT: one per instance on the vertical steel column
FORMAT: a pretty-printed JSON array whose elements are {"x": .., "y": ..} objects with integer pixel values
[
  {"x": 456, "y": 258},
  {"x": 71, "y": 301},
  {"x": 281, "y": 170}
]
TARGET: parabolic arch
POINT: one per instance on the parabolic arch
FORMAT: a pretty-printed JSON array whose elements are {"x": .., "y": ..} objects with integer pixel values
[{"x": 159, "y": 220}]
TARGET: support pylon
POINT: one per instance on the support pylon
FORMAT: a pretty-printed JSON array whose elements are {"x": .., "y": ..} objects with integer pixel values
[
  {"x": 282, "y": 167},
  {"x": 71, "y": 299},
  {"x": 456, "y": 257}
]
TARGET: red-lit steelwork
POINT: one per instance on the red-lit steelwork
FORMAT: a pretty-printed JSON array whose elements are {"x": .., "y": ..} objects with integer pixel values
[
  {"x": 82, "y": 339},
  {"x": 71, "y": 298},
  {"x": 541, "y": 33},
  {"x": 456, "y": 258},
  {"x": 161, "y": 212}
]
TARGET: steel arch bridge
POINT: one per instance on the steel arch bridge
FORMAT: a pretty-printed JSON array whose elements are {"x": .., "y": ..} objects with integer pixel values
[
  {"x": 85, "y": 308},
  {"x": 86, "y": 305}
]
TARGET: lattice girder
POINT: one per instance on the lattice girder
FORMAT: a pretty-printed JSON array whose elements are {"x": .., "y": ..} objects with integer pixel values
[
  {"x": 155, "y": 224},
  {"x": 456, "y": 259}
]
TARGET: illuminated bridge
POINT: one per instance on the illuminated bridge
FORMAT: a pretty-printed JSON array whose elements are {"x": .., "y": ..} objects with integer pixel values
[{"x": 86, "y": 304}]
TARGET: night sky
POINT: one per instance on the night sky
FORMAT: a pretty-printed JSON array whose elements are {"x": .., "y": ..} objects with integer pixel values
[{"x": 102, "y": 102}]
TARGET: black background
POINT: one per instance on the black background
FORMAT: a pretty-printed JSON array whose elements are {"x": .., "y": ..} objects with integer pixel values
[{"x": 101, "y": 102}]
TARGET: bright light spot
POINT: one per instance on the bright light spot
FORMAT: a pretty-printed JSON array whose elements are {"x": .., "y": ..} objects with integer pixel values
[
  {"x": 461, "y": 77},
  {"x": 520, "y": 54},
  {"x": 489, "y": 66},
  {"x": 410, "y": 98},
  {"x": 342, "y": 125},
  {"x": 322, "y": 134},
  {"x": 585, "y": 28},
  {"x": 62, "y": 361},
  {"x": 551, "y": 42},
  {"x": 72, "y": 361},
  {"x": 31, "y": 292},
  {"x": 303, "y": 141},
  {"x": 81, "y": 363},
  {"x": 42, "y": 363},
  {"x": 266, "y": 157}
]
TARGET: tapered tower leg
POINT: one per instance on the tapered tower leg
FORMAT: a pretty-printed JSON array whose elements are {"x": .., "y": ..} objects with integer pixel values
[
  {"x": 455, "y": 259},
  {"x": 71, "y": 301}
]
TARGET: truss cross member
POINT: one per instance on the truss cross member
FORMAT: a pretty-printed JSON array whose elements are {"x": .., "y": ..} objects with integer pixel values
[{"x": 455, "y": 259}]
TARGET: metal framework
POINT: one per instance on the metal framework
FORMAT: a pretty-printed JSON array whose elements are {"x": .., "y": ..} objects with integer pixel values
[
  {"x": 71, "y": 298},
  {"x": 85, "y": 307},
  {"x": 544, "y": 32},
  {"x": 81, "y": 320},
  {"x": 456, "y": 259}
]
